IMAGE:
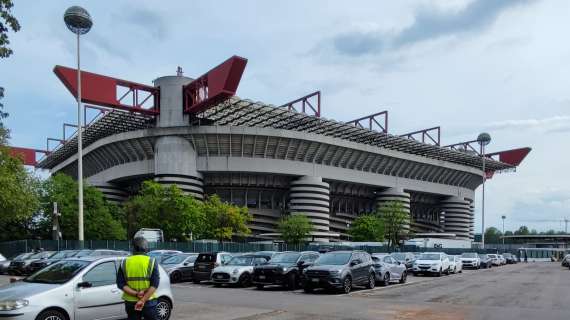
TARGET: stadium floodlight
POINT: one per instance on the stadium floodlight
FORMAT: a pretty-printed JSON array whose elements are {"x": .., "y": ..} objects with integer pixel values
[
  {"x": 483, "y": 139},
  {"x": 79, "y": 22}
]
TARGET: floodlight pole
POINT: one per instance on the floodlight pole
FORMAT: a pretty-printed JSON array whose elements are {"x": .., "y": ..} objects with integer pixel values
[
  {"x": 503, "y": 217},
  {"x": 483, "y": 200},
  {"x": 81, "y": 235}
]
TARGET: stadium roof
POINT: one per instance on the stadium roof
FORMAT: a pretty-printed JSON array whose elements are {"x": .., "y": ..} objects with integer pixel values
[{"x": 238, "y": 112}]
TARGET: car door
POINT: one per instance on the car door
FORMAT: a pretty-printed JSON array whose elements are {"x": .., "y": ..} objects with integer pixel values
[
  {"x": 187, "y": 267},
  {"x": 362, "y": 267},
  {"x": 97, "y": 295},
  {"x": 396, "y": 268}
]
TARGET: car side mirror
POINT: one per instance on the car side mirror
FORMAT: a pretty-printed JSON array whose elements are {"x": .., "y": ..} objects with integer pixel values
[
  {"x": 84, "y": 284},
  {"x": 354, "y": 262},
  {"x": 186, "y": 263},
  {"x": 300, "y": 263}
]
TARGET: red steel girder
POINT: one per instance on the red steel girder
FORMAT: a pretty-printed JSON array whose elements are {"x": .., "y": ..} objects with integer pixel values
[
  {"x": 513, "y": 157},
  {"x": 102, "y": 90},
  {"x": 306, "y": 102},
  {"x": 214, "y": 86},
  {"x": 27, "y": 155},
  {"x": 372, "y": 121},
  {"x": 425, "y": 133}
]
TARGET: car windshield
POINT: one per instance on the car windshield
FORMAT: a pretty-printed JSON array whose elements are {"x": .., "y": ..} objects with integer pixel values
[
  {"x": 241, "y": 261},
  {"x": 58, "y": 273},
  {"x": 41, "y": 255},
  {"x": 506, "y": 255},
  {"x": 22, "y": 256},
  {"x": 334, "y": 258},
  {"x": 469, "y": 255},
  {"x": 399, "y": 256},
  {"x": 83, "y": 253},
  {"x": 62, "y": 255},
  {"x": 288, "y": 257},
  {"x": 179, "y": 258},
  {"x": 429, "y": 256},
  {"x": 483, "y": 256},
  {"x": 492, "y": 256}
]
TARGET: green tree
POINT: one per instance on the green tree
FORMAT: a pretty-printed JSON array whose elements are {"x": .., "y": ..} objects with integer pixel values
[
  {"x": 4, "y": 134},
  {"x": 295, "y": 229},
  {"x": 492, "y": 235},
  {"x": 224, "y": 220},
  {"x": 368, "y": 227},
  {"x": 394, "y": 218},
  {"x": 7, "y": 22},
  {"x": 165, "y": 208},
  {"x": 99, "y": 223},
  {"x": 522, "y": 231}
]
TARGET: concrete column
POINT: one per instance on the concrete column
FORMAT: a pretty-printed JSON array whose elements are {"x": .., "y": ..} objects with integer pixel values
[
  {"x": 171, "y": 101},
  {"x": 175, "y": 164},
  {"x": 397, "y": 195},
  {"x": 111, "y": 192},
  {"x": 310, "y": 196},
  {"x": 472, "y": 221},
  {"x": 457, "y": 216}
]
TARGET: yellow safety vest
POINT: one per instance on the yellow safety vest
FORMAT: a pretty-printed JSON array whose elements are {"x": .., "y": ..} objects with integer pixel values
[{"x": 137, "y": 271}]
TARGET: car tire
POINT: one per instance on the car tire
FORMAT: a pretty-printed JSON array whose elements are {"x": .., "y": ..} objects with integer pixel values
[
  {"x": 371, "y": 281},
  {"x": 259, "y": 286},
  {"x": 175, "y": 277},
  {"x": 385, "y": 280},
  {"x": 440, "y": 273},
  {"x": 291, "y": 281},
  {"x": 308, "y": 288},
  {"x": 404, "y": 277},
  {"x": 51, "y": 315},
  {"x": 163, "y": 309},
  {"x": 454, "y": 270},
  {"x": 347, "y": 285},
  {"x": 244, "y": 280}
]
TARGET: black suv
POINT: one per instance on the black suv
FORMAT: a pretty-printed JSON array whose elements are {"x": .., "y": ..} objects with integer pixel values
[
  {"x": 340, "y": 270},
  {"x": 284, "y": 269},
  {"x": 206, "y": 262}
]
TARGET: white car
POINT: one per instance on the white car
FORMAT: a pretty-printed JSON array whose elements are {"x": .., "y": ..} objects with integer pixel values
[
  {"x": 75, "y": 288},
  {"x": 432, "y": 263},
  {"x": 470, "y": 260},
  {"x": 239, "y": 270},
  {"x": 455, "y": 264},
  {"x": 494, "y": 259},
  {"x": 502, "y": 260}
]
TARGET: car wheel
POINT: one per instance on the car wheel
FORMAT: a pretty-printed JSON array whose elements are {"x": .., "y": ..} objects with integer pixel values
[
  {"x": 347, "y": 285},
  {"x": 51, "y": 315},
  {"x": 308, "y": 289},
  {"x": 163, "y": 309},
  {"x": 440, "y": 273},
  {"x": 454, "y": 269},
  {"x": 245, "y": 280},
  {"x": 404, "y": 277},
  {"x": 259, "y": 286},
  {"x": 371, "y": 281},
  {"x": 175, "y": 277},
  {"x": 292, "y": 281},
  {"x": 385, "y": 280}
]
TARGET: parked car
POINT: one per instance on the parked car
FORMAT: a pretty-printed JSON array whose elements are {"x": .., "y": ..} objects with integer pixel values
[
  {"x": 566, "y": 261},
  {"x": 388, "y": 269},
  {"x": 509, "y": 258},
  {"x": 495, "y": 260},
  {"x": 40, "y": 264},
  {"x": 486, "y": 261},
  {"x": 4, "y": 264},
  {"x": 470, "y": 260},
  {"x": 160, "y": 255},
  {"x": 340, "y": 270},
  {"x": 284, "y": 269},
  {"x": 407, "y": 258},
  {"x": 432, "y": 263},
  {"x": 21, "y": 267},
  {"x": 180, "y": 266},
  {"x": 455, "y": 264},
  {"x": 502, "y": 259},
  {"x": 238, "y": 270},
  {"x": 77, "y": 288},
  {"x": 206, "y": 262}
]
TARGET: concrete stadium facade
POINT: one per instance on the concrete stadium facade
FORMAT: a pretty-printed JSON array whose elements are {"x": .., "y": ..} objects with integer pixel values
[{"x": 277, "y": 162}]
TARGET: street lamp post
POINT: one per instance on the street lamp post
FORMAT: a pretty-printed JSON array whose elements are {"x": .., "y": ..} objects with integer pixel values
[
  {"x": 503, "y": 217},
  {"x": 79, "y": 22},
  {"x": 483, "y": 139}
]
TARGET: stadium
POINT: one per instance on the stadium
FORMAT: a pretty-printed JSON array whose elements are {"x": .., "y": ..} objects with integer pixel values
[{"x": 276, "y": 160}]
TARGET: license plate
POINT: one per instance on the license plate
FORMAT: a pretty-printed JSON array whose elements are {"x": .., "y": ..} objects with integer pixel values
[
  {"x": 261, "y": 277},
  {"x": 315, "y": 280},
  {"x": 219, "y": 276},
  {"x": 202, "y": 267}
]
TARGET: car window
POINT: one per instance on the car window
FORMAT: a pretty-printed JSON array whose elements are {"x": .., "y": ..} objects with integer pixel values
[
  {"x": 226, "y": 258},
  {"x": 259, "y": 261},
  {"x": 387, "y": 259},
  {"x": 103, "y": 274}
]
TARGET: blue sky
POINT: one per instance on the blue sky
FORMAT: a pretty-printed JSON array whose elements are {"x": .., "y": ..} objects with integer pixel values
[{"x": 469, "y": 66}]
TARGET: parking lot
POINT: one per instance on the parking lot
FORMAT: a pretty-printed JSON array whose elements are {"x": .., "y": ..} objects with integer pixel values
[{"x": 522, "y": 291}]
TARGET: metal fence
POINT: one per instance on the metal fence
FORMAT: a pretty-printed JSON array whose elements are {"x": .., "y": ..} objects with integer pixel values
[{"x": 13, "y": 248}]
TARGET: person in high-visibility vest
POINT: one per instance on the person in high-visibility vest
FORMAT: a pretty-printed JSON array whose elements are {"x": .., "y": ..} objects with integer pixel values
[{"x": 138, "y": 277}]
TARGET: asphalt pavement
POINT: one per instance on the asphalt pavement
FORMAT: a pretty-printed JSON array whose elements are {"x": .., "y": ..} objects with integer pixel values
[{"x": 530, "y": 291}]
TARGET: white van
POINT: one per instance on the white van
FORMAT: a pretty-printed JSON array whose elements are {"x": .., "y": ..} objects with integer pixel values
[{"x": 151, "y": 235}]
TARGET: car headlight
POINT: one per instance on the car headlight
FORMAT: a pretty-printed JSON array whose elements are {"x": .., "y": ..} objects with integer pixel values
[
  {"x": 304, "y": 271},
  {"x": 235, "y": 271},
  {"x": 335, "y": 273},
  {"x": 435, "y": 264},
  {"x": 284, "y": 269},
  {"x": 13, "y": 304}
]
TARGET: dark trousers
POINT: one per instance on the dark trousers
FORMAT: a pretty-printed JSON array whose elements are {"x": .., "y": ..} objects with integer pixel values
[{"x": 147, "y": 313}]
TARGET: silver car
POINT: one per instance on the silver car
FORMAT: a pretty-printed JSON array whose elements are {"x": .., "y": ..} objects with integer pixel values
[
  {"x": 77, "y": 288},
  {"x": 388, "y": 269},
  {"x": 238, "y": 270}
]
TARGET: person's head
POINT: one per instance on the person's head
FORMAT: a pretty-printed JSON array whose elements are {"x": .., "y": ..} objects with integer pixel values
[{"x": 140, "y": 245}]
